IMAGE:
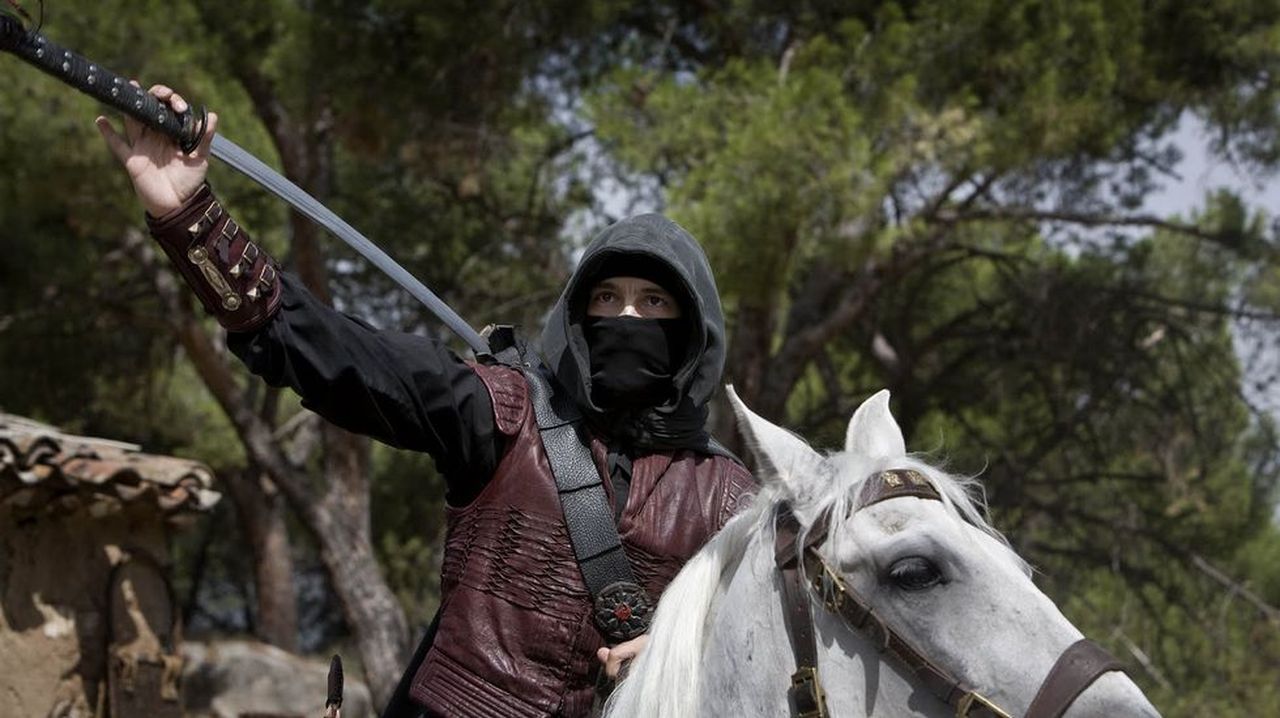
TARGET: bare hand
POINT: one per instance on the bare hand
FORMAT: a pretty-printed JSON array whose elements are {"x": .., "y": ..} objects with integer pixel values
[
  {"x": 162, "y": 174},
  {"x": 614, "y": 659}
]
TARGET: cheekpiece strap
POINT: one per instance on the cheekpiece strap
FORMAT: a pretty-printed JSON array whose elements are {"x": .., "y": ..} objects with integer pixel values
[{"x": 805, "y": 695}]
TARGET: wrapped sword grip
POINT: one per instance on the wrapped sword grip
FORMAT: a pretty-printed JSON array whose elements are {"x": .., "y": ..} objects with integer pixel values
[{"x": 187, "y": 129}]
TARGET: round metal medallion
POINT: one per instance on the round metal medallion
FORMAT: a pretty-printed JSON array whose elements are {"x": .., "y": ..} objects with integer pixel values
[{"x": 622, "y": 611}]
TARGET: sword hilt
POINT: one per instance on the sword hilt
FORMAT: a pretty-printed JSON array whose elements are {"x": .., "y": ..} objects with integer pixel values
[
  {"x": 333, "y": 703},
  {"x": 109, "y": 88}
]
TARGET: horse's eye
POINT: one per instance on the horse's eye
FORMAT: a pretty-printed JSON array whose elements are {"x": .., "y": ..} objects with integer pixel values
[{"x": 914, "y": 573}]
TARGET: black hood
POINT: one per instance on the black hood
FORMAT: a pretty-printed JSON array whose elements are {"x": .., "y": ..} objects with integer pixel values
[{"x": 647, "y": 238}]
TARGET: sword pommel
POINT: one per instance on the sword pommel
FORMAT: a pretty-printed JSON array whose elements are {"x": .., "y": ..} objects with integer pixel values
[
  {"x": 11, "y": 32},
  {"x": 333, "y": 703}
]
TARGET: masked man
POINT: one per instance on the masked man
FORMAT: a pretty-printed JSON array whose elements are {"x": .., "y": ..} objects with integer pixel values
[{"x": 634, "y": 346}]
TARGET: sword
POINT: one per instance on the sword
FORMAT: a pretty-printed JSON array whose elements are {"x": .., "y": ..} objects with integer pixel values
[{"x": 188, "y": 128}]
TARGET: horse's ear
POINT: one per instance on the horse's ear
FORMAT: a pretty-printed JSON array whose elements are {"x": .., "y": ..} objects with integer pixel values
[
  {"x": 873, "y": 432},
  {"x": 780, "y": 453}
]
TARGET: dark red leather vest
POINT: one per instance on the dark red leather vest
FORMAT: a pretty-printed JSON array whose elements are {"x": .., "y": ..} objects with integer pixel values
[{"x": 516, "y": 636}]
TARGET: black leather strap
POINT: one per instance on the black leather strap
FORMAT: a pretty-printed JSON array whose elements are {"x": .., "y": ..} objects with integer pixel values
[{"x": 622, "y": 608}]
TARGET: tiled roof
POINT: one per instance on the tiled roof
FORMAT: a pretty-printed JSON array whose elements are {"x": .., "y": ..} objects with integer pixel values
[{"x": 44, "y": 470}]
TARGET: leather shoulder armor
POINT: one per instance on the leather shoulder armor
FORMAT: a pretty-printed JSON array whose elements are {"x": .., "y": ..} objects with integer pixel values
[{"x": 509, "y": 393}]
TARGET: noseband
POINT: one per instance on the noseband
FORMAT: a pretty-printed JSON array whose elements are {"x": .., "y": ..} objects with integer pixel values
[{"x": 1075, "y": 670}]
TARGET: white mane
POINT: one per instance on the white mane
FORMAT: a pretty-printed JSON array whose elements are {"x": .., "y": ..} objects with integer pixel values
[{"x": 665, "y": 679}]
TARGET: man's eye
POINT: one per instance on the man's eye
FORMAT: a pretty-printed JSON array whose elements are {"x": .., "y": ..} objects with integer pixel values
[
  {"x": 604, "y": 297},
  {"x": 654, "y": 300}
]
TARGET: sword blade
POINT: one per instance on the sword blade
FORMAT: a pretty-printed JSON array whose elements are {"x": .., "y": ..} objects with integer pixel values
[
  {"x": 113, "y": 90},
  {"x": 275, "y": 183}
]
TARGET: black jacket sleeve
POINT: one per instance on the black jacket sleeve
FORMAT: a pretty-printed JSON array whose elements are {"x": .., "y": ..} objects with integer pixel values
[{"x": 404, "y": 390}]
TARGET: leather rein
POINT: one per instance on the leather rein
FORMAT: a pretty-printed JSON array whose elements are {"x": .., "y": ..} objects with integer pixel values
[{"x": 1075, "y": 670}]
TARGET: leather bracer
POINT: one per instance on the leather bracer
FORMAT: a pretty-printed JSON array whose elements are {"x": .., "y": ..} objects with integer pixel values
[{"x": 235, "y": 280}]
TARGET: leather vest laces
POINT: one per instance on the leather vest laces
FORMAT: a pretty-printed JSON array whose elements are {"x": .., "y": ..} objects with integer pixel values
[{"x": 516, "y": 636}]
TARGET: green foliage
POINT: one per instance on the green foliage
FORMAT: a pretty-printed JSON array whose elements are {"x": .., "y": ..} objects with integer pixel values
[
  {"x": 1215, "y": 659},
  {"x": 725, "y": 137},
  {"x": 447, "y": 157},
  {"x": 940, "y": 197},
  {"x": 407, "y": 504},
  {"x": 75, "y": 306},
  {"x": 937, "y": 197}
]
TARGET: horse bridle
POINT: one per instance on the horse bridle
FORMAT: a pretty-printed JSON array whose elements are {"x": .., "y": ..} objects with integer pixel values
[{"x": 1075, "y": 670}]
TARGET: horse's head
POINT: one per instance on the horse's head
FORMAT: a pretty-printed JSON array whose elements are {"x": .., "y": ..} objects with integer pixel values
[{"x": 928, "y": 565}]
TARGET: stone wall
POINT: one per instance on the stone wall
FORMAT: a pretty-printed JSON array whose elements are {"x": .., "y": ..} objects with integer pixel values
[{"x": 54, "y": 577}]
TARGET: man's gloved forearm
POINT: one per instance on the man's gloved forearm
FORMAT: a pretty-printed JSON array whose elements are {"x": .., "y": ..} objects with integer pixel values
[{"x": 236, "y": 281}]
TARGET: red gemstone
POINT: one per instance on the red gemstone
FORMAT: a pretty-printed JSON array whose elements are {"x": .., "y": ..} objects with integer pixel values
[{"x": 622, "y": 612}]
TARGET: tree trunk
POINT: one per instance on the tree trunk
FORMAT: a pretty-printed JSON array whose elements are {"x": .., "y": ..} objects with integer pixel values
[
  {"x": 337, "y": 514},
  {"x": 749, "y": 342},
  {"x": 260, "y": 511},
  {"x": 262, "y": 520},
  {"x": 346, "y": 548},
  {"x": 340, "y": 520},
  {"x": 828, "y": 304}
]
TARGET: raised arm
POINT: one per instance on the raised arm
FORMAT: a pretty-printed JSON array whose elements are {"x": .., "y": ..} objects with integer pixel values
[{"x": 405, "y": 390}]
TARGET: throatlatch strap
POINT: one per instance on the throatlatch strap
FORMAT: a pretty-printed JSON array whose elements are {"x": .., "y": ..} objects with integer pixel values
[{"x": 622, "y": 609}]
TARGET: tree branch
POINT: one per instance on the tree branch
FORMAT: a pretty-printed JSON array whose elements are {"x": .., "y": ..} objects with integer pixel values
[
  {"x": 948, "y": 216},
  {"x": 800, "y": 347},
  {"x": 1271, "y": 612}
]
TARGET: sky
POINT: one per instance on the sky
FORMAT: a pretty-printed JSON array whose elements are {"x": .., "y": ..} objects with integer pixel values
[{"x": 1201, "y": 173}]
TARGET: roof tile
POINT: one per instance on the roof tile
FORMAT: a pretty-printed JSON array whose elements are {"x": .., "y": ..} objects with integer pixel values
[{"x": 44, "y": 468}]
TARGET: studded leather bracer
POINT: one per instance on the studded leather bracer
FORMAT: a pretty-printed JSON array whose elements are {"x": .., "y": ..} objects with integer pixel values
[{"x": 236, "y": 281}]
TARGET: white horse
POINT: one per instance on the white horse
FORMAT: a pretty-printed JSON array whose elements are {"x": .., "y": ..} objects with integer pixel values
[{"x": 933, "y": 570}]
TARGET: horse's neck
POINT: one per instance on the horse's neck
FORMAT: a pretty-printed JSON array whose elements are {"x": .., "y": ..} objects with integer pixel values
[
  {"x": 749, "y": 661},
  {"x": 747, "y": 656}
]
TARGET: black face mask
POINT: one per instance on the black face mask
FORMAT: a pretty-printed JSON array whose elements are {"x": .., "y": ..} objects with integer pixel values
[{"x": 633, "y": 360}]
